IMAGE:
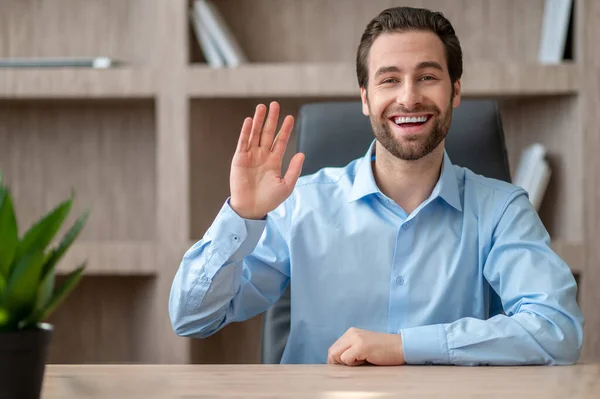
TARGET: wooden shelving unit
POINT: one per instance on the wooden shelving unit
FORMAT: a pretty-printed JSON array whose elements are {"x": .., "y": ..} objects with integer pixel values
[{"x": 148, "y": 146}]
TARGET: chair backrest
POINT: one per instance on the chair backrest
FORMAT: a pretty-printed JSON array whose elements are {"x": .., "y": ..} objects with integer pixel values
[{"x": 335, "y": 133}]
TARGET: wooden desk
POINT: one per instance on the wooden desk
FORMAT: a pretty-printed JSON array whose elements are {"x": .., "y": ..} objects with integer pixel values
[{"x": 319, "y": 382}]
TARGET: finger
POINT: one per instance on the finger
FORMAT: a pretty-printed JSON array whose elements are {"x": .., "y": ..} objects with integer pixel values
[
  {"x": 283, "y": 137},
  {"x": 339, "y": 347},
  {"x": 353, "y": 356},
  {"x": 244, "y": 135},
  {"x": 294, "y": 170},
  {"x": 257, "y": 124},
  {"x": 268, "y": 132}
]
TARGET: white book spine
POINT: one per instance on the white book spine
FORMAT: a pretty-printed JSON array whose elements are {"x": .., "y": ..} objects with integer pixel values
[
  {"x": 533, "y": 173},
  {"x": 220, "y": 32},
  {"x": 209, "y": 48},
  {"x": 555, "y": 25}
]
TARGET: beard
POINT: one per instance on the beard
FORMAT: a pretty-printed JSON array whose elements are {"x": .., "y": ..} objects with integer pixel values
[{"x": 414, "y": 147}]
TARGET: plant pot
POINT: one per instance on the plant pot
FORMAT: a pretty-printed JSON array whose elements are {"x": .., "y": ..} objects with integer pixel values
[{"x": 23, "y": 356}]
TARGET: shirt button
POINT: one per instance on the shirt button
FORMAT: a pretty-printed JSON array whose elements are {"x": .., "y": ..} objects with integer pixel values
[
  {"x": 406, "y": 225},
  {"x": 399, "y": 280},
  {"x": 235, "y": 237},
  {"x": 205, "y": 279}
]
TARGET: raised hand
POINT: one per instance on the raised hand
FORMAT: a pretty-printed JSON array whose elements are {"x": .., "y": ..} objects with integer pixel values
[{"x": 256, "y": 184}]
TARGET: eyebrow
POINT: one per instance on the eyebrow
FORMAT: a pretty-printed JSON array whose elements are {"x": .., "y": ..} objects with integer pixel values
[{"x": 420, "y": 65}]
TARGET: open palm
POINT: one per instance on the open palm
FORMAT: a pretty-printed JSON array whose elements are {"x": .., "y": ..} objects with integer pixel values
[{"x": 256, "y": 184}]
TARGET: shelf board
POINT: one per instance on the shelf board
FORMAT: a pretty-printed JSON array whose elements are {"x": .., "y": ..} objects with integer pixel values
[
  {"x": 285, "y": 79},
  {"x": 111, "y": 258},
  {"x": 76, "y": 83},
  {"x": 495, "y": 79},
  {"x": 491, "y": 79}
]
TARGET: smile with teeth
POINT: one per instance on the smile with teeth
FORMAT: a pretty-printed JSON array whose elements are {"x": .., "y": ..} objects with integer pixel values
[{"x": 405, "y": 120}]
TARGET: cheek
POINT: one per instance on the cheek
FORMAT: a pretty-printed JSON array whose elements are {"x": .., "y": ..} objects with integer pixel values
[{"x": 380, "y": 101}]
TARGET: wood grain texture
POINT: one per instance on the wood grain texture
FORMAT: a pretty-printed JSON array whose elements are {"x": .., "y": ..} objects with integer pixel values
[
  {"x": 170, "y": 348},
  {"x": 117, "y": 258},
  {"x": 573, "y": 253},
  {"x": 104, "y": 320},
  {"x": 330, "y": 30},
  {"x": 123, "y": 29},
  {"x": 589, "y": 14},
  {"x": 173, "y": 174},
  {"x": 481, "y": 78},
  {"x": 320, "y": 381},
  {"x": 104, "y": 151},
  {"x": 551, "y": 121},
  {"x": 76, "y": 83}
]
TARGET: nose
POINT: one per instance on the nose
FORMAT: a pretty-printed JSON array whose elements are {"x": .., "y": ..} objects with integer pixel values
[{"x": 409, "y": 96}]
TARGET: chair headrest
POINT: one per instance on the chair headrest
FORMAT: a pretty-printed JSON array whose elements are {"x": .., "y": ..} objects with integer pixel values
[{"x": 335, "y": 133}]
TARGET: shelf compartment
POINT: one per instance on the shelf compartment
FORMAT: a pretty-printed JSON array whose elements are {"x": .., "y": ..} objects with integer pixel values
[
  {"x": 104, "y": 320},
  {"x": 103, "y": 151}
]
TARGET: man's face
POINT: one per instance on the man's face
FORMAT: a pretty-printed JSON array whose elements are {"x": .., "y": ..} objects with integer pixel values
[{"x": 409, "y": 98}]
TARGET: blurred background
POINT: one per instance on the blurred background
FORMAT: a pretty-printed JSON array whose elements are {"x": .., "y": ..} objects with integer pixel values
[{"x": 136, "y": 105}]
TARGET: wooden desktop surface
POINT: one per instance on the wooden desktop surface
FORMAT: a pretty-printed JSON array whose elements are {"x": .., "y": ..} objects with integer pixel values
[{"x": 319, "y": 381}]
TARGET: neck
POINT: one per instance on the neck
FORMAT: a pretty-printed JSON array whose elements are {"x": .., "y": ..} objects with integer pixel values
[{"x": 408, "y": 183}]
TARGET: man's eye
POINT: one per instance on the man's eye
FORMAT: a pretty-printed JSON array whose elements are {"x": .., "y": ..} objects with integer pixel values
[
  {"x": 428, "y": 78},
  {"x": 389, "y": 80}
]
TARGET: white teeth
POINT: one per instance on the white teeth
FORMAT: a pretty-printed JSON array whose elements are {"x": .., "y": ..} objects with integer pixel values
[{"x": 406, "y": 119}]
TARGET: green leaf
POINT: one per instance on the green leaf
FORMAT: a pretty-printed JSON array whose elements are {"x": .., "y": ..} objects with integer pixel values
[
  {"x": 22, "y": 286},
  {"x": 44, "y": 292},
  {"x": 65, "y": 243},
  {"x": 4, "y": 317},
  {"x": 62, "y": 292},
  {"x": 9, "y": 236},
  {"x": 40, "y": 234}
]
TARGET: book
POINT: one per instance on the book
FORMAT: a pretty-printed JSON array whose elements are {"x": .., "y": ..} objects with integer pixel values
[
  {"x": 220, "y": 33},
  {"x": 533, "y": 173},
  {"x": 555, "y": 30},
  {"x": 64, "y": 62},
  {"x": 209, "y": 48}
]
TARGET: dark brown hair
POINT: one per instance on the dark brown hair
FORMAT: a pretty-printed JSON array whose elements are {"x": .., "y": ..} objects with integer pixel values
[{"x": 403, "y": 19}]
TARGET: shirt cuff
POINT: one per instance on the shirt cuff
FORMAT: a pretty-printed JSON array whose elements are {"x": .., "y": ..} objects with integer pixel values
[
  {"x": 234, "y": 237},
  {"x": 425, "y": 345}
]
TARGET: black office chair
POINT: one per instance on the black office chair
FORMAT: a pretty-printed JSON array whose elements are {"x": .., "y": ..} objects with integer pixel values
[{"x": 333, "y": 134}]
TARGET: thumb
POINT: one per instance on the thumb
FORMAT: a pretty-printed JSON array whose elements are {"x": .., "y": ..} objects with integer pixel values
[{"x": 294, "y": 170}]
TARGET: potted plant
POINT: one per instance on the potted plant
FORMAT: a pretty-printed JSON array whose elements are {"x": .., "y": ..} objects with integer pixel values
[{"x": 28, "y": 294}]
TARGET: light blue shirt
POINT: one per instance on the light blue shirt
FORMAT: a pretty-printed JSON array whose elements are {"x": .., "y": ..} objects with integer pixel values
[{"x": 354, "y": 258}]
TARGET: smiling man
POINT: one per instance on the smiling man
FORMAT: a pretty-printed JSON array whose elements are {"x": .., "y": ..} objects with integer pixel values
[{"x": 398, "y": 257}]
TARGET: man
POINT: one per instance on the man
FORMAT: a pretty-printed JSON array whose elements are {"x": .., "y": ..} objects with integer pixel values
[{"x": 397, "y": 257}]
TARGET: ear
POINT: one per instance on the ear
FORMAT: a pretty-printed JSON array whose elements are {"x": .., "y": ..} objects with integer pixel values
[
  {"x": 457, "y": 93},
  {"x": 365, "y": 104}
]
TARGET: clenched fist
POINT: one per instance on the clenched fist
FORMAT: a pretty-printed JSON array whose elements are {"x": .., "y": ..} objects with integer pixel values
[{"x": 358, "y": 346}]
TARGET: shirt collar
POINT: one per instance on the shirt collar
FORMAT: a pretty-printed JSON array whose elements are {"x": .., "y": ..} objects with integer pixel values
[{"x": 446, "y": 187}]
